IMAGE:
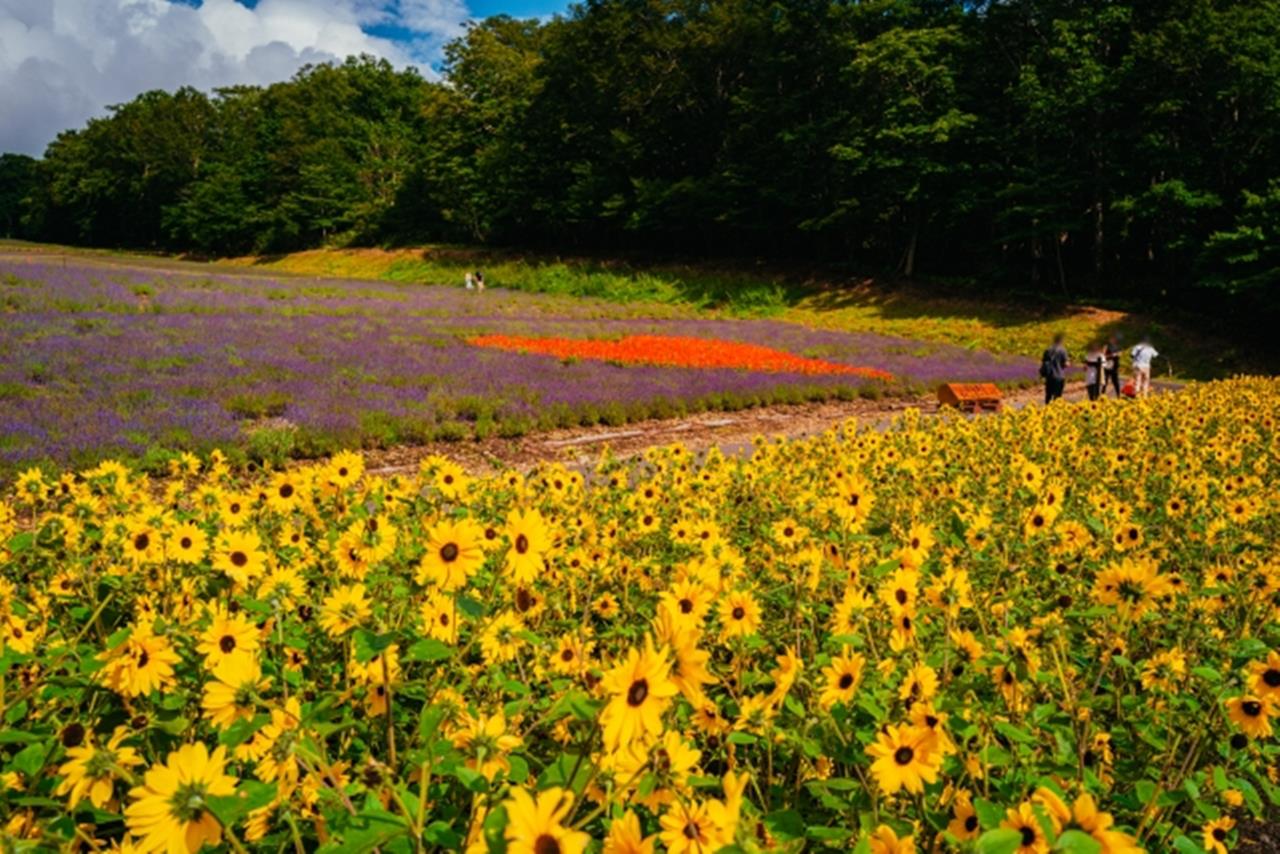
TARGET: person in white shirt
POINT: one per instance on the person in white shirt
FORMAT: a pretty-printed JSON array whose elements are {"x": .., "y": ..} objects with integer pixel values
[
  {"x": 470, "y": 282},
  {"x": 1141, "y": 356}
]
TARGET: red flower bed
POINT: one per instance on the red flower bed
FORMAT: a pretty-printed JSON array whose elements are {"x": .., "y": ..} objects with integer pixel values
[{"x": 677, "y": 351}]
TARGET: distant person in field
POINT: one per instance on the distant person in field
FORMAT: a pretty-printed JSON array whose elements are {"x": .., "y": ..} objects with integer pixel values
[
  {"x": 470, "y": 281},
  {"x": 1141, "y": 356},
  {"x": 1111, "y": 371},
  {"x": 1053, "y": 367},
  {"x": 1095, "y": 363},
  {"x": 479, "y": 281}
]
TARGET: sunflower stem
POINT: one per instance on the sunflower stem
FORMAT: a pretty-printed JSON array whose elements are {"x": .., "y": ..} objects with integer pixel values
[
  {"x": 298, "y": 847},
  {"x": 391, "y": 726}
]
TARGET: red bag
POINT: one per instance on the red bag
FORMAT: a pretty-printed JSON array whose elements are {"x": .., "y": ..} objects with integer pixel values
[{"x": 1129, "y": 390}]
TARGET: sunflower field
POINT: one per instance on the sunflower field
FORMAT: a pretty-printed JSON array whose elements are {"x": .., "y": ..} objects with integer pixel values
[{"x": 1048, "y": 630}]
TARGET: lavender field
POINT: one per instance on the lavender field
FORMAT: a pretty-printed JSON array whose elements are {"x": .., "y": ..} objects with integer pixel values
[{"x": 114, "y": 358}]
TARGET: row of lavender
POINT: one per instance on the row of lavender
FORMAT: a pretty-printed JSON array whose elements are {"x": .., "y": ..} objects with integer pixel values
[{"x": 104, "y": 357}]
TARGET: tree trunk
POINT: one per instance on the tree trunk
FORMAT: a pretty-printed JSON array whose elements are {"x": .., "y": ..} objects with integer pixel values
[
  {"x": 909, "y": 261},
  {"x": 1036, "y": 253},
  {"x": 1098, "y": 236},
  {"x": 1062, "y": 273},
  {"x": 909, "y": 265}
]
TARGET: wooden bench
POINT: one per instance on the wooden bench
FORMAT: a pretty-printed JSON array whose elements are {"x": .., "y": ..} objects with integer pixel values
[{"x": 970, "y": 397}]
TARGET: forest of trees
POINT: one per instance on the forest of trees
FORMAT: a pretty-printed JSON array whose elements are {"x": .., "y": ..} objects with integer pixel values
[{"x": 1072, "y": 146}]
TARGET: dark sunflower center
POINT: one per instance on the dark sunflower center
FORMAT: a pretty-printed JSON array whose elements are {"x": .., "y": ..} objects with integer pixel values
[
  {"x": 686, "y": 606},
  {"x": 286, "y": 490},
  {"x": 566, "y": 655},
  {"x": 788, "y": 532},
  {"x": 739, "y": 613},
  {"x": 239, "y": 558},
  {"x": 903, "y": 755},
  {"x": 143, "y": 658},
  {"x": 522, "y": 544},
  {"x": 971, "y": 823},
  {"x": 1219, "y": 834},
  {"x": 637, "y": 693},
  {"x": 1272, "y": 678},
  {"x": 1028, "y": 836},
  {"x": 846, "y": 681},
  {"x": 227, "y": 643},
  {"x": 691, "y": 831},
  {"x": 546, "y": 844},
  {"x": 141, "y": 542},
  {"x": 1252, "y": 708},
  {"x": 73, "y": 735},
  {"x": 185, "y": 542},
  {"x": 900, "y": 595},
  {"x": 449, "y": 553}
]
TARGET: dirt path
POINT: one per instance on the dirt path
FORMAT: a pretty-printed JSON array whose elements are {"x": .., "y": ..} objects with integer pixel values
[{"x": 732, "y": 432}]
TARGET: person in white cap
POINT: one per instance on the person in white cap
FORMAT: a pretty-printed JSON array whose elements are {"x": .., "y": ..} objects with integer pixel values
[{"x": 1141, "y": 356}]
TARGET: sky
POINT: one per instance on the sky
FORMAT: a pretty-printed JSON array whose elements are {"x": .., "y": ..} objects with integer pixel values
[{"x": 63, "y": 61}]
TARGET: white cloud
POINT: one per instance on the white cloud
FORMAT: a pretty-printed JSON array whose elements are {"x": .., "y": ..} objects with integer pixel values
[{"x": 64, "y": 61}]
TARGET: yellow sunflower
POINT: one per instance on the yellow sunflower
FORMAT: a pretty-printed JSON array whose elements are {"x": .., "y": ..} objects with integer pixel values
[
  {"x": 343, "y": 610},
  {"x": 626, "y": 837},
  {"x": 530, "y": 539},
  {"x": 91, "y": 770},
  {"x": 642, "y": 690},
  {"x": 170, "y": 810},
  {"x": 903, "y": 759},
  {"x": 843, "y": 675},
  {"x": 141, "y": 664},
  {"x": 228, "y": 636},
  {"x": 886, "y": 841},
  {"x": 232, "y": 693},
  {"x": 535, "y": 823},
  {"x": 240, "y": 556},
  {"x": 187, "y": 543},
  {"x": 1025, "y": 821},
  {"x": 1251, "y": 714},
  {"x": 739, "y": 615},
  {"x": 454, "y": 553}
]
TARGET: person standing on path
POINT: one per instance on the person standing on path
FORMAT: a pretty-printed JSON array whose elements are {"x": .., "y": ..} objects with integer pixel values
[
  {"x": 1053, "y": 367},
  {"x": 470, "y": 281},
  {"x": 479, "y": 281},
  {"x": 1094, "y": 365},
  {"x": 1141, "y": 356},
  {"x": 1112, "y": 365}
]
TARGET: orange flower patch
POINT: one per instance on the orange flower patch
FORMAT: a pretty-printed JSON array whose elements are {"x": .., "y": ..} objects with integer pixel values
[{"x": 677, "y": 351}]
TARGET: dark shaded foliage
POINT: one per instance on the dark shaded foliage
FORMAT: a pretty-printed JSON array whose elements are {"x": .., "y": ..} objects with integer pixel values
[{"x": 1104, "y": 148}]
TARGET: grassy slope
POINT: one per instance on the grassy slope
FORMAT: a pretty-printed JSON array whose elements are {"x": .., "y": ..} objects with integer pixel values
[{"x": 916, "y": 311}]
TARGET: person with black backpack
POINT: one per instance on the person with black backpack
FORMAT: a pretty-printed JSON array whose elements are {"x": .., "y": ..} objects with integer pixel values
[{"x": 1053, "y": 368}]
